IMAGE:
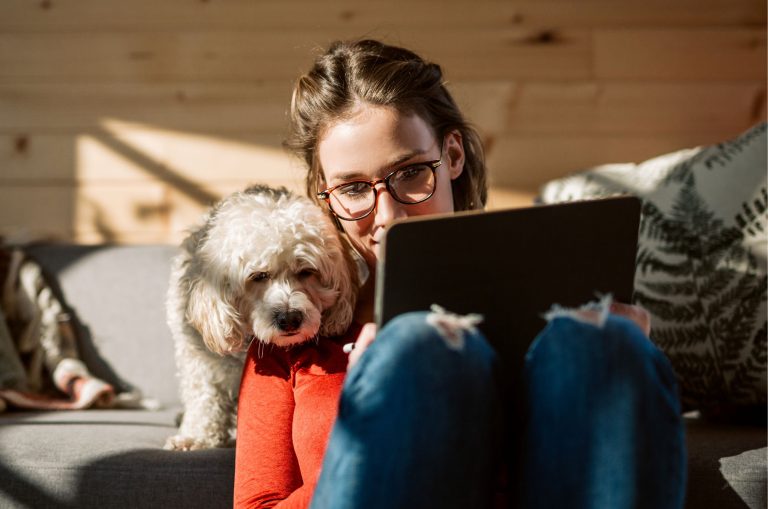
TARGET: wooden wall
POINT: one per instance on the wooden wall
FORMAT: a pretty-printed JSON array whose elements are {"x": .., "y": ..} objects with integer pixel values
[{"x": 121, "y": 121}]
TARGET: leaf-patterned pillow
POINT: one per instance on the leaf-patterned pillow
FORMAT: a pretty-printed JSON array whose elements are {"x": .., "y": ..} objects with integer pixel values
[{"x": 701, "y": 264}]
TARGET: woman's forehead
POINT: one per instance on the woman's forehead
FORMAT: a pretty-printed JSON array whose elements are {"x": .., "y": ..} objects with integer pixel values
[{"x": 372, "y": 141}]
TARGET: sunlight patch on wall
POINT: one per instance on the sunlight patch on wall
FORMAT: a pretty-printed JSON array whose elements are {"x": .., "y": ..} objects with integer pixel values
[{"x": 137, "y": 181}]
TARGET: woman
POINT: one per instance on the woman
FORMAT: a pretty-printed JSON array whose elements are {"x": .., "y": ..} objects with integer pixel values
[{"x": 418, "y": 421}]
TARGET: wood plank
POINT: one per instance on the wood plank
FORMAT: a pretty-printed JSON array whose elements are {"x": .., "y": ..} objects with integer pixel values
[
  {"x": 174, "y": 215},
  {"x": 34, "y": 212},
  {"x": 103, "y": 210},
  {"x": 148, "y": 56},
  {"x": 97, "y": 212},
  {"x": 108, "y": 209},
  {"x": 29, "y": 159},
  {"x": 277, "y": 55},
  {"x": 122, "y": 182},
  {"x": 91, "y": 15},
  {"x": 196, "y": 107},
  {"x": 526, "y": 162},
  {"x": 632, "y": 13},
  {"x": 624, "y": 107},
  {"x": 485, "y": 104},
  {"x": 695, "y": 54},
  {"x": 133, "y": 154},
  {"x": 179, "y": 158},
  {"x": 254, "y": 106}
]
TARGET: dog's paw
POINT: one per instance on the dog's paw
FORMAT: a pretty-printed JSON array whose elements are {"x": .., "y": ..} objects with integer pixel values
[{"x": 187, "y": 443}]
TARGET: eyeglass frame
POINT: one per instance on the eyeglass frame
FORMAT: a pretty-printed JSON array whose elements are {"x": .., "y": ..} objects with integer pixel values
[
  {"x": 326, "y": 194},
  {"x": 433, "y": 165}
]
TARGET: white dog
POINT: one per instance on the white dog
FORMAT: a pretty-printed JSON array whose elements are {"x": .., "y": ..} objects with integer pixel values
[{"x": 266, "y": 265}]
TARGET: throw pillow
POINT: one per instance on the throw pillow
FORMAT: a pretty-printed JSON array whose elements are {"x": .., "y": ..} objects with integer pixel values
[{"x": 701, "y": 263}]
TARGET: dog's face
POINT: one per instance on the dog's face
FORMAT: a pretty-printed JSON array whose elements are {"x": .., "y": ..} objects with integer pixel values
[
  {"x": 284, "y": 299},
  {"x": 272, "y": 268}
]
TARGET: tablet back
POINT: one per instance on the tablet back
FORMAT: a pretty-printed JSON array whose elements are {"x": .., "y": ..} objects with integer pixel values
[{"x": 510, "y": 266}]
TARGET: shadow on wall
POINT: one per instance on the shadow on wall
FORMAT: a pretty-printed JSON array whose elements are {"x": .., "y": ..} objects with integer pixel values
[
  {"x": 155, "y": 183},
  {"x": 161, "y": 171},
  {"x": 123, "y": 181}
]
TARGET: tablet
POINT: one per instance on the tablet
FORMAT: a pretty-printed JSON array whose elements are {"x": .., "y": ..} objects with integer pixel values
[{"x": 511, "y": 266}]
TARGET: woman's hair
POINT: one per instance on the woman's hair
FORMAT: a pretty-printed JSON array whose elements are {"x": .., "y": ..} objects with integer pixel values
[{"x": 370, "y": 72}]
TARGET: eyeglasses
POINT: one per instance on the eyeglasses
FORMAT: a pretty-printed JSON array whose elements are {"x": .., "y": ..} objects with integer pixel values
[{"x": 412, "y": 184}]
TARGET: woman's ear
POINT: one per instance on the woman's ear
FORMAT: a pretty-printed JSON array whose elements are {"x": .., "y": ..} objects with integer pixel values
[{"x": 453, "y": 153}]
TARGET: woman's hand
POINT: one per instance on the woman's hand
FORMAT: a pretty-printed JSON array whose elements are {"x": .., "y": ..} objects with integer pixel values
[
  {"x": 365, "y": 338},
  {"x": 635, "y": 313}
]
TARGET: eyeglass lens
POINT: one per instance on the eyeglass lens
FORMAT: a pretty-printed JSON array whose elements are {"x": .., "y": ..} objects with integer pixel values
[{"x": 409, "y": 185}]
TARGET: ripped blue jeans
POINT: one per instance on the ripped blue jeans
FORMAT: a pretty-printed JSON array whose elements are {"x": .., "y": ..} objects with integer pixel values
[{"x": 420, "y": 422}]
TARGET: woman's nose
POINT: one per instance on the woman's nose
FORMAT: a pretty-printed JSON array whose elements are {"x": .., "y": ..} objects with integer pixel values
[{"x": 387, "y": 208}]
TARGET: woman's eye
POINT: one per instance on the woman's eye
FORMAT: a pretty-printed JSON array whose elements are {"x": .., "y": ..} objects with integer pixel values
[
  {"x": 354, "y": 190},
  {"x": 410, "y": 172},
  {"x": 258, "y": 276}
]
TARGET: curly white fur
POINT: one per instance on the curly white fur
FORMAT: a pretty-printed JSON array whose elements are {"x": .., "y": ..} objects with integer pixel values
[{"x": 266, "y": 265}]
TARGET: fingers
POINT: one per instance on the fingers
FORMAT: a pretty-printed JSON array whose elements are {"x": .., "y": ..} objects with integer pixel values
[
  {"x": 635, "y": 313},
  {"x": 365, "y": 338}
]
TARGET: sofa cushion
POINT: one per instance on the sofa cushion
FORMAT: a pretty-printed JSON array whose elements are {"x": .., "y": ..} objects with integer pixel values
[
  {"x": 746, "y": 474},
  {"x": 701, "y": 267},
  {"x": 117, "y": 296},
  {"x": 107, "y": 458},
  {"x": 726, "y": 465}
]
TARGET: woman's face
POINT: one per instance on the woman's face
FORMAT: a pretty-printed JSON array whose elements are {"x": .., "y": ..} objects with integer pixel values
[{"x": 370, "y": 145}]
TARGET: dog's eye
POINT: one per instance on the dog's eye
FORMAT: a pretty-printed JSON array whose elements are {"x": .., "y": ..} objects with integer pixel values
[
  {"x": 305, "y": 273},
  {"x": 258, "y": 276}
]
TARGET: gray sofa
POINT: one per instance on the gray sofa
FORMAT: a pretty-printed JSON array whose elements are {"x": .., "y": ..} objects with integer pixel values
[{"x": 114, "y": 458}]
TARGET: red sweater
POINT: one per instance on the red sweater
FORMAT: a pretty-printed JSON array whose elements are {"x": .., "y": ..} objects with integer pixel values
[{"x": 288, "y": 402}]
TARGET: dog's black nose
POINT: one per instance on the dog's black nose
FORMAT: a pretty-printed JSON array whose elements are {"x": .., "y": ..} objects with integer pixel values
[{"x": 289, "y": 321}]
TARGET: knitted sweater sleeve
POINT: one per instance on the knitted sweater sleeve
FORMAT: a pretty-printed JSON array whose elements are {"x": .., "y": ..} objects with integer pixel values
[{"x": 287, "y": 404}]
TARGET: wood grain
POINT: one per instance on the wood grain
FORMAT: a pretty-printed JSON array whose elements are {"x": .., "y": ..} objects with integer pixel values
[
  {"x": 124, "y": 121},
  {"x": 60, "y": 15},
  {"x": 232, "y": 56},
  {"x": 707, "y": 54}
]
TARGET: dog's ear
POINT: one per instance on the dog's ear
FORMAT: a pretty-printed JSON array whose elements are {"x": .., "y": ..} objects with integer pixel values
[
  {"x": 212, "y": 311},
  {"x": 342, "y": 279}
]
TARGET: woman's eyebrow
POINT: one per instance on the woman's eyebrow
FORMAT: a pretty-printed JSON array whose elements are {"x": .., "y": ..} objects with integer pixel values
[
  {"x": 403, "y": 158},
  {"x": 357, "y": 175}
]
